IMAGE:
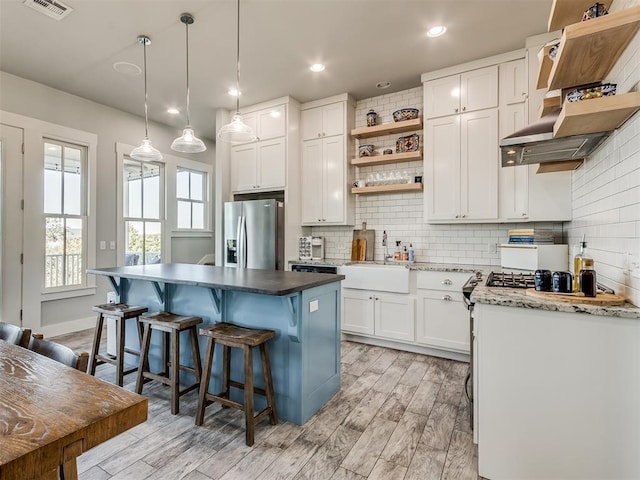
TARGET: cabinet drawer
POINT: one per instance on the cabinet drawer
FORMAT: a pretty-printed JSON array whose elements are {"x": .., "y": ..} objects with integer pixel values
[{"x": 446, "y": 281}]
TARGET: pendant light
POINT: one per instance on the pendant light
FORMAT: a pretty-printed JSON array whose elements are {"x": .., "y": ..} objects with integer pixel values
[
  {"x": 188, "y": 142},
  {"x": 237, "y": 131},
  {"x": 145, "y": 152}
]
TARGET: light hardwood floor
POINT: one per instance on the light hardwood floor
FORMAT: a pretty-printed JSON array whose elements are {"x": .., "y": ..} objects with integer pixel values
[{"x": 398, "y": 416}]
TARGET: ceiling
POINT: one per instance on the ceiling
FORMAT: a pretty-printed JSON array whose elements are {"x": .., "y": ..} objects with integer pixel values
[{"x": 362, "y": 42}]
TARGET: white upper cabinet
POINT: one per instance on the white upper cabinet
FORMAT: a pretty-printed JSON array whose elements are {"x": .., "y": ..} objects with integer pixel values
[
  {"x": 514, "y": 181},
  {"x": 323, "y": 121},
  {"x": 513, "y": 82},
  {"x": 466, "y": 92},
  {"x": 267, "y": 123},
  {"x": 258, "y": 166},
  {"x": 461, "y": 167},
  {"x": 326, "y": 173}
]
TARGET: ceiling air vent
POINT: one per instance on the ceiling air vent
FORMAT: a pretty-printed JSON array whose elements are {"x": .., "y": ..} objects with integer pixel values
[{"x": 50, "y": 8}]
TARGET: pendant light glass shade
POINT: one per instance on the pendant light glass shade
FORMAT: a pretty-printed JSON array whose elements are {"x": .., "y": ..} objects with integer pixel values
[
  {"x": 145, "y": 152},
  {"x": 237, "y": 131},
  {"x": 188, "y": 142}
]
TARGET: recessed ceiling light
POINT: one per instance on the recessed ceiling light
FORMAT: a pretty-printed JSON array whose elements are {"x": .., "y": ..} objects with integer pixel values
[
  {"x": 436, "y": 31},
  {"x": 317, "y": 67},
  {"x": 127, "y": 68},
  {"x": 234, "y": 92},
  {"x": 383, "y": 84},
  {"x": 173, "y": 111}
]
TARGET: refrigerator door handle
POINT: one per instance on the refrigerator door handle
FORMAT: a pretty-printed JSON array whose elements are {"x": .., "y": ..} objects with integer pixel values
[
  {"x": 243, "y": 241},
  {"x": 239, "y": 242}
]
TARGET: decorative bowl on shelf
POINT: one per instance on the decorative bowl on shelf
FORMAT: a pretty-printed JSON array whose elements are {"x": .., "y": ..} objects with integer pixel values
[
  {"x": 594, "y": 11},
  {"x": 405, "y": 114},
  {"x": 365, "y": 150},
  {"x": 410, "y": 143}
]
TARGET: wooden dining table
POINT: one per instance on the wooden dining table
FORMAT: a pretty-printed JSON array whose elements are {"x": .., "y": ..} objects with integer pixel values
[{"x": 50, "y": 414}]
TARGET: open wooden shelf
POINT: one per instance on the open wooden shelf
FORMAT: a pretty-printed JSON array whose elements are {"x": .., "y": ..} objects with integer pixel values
[
  {"x": 545, "y": 65},
  {"x": 595, "y": 115},
  {"x": 387, "y": 128},
  {"x": 588, "y": 50},
  {"x": 550, "y": 104},
  {"x": 566, "y": 12},
  {"x": 400, "y": 187},
  {"x": 385, "y": 159}
]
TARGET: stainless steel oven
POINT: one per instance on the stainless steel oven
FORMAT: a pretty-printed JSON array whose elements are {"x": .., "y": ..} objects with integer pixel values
[
  {"x": 467, "y": 289},
  {"x": 313, "y": 268}
]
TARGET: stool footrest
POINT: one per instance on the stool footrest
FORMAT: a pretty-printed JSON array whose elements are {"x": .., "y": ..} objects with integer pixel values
[
  {"x": 148, "y": 376},
  {"x": 132, "y": 352},
  {"x": 258, "y": 390}
]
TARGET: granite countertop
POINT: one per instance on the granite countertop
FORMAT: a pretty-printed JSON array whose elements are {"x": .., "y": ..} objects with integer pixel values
[
  {"x": 517, "y": 297},
  {"x": 266, "y": 282},
  {"x": 418, "y": 266}
]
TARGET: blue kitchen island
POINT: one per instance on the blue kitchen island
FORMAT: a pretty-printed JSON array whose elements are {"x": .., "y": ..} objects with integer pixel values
[{"x": 302, "y": 308}]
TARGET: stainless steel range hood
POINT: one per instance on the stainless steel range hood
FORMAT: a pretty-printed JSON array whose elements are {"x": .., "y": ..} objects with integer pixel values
[{"x": 536, "y": 144}]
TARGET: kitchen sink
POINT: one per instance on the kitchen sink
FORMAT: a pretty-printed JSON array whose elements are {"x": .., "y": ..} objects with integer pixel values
[{"x": 372, "y": 276}]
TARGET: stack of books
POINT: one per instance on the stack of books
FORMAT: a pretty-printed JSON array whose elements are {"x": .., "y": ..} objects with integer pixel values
[{"x": 531, "y": 236}]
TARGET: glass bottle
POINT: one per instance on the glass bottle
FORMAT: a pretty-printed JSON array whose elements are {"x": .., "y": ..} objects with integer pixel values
[
  {"x": 588, "y": 284},
  {"x": 577, "y": 264}
]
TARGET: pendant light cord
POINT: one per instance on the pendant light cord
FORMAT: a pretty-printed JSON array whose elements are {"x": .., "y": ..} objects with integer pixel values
[
  {"x": 238, "y": 62},
  {"x": 186, "y": 26},
  {"x": 146, "y": 115}
]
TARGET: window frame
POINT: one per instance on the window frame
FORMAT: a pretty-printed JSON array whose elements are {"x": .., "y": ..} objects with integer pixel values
[
  {"x": 82, "y": 216},
  {"x": 205, "y": 202}
]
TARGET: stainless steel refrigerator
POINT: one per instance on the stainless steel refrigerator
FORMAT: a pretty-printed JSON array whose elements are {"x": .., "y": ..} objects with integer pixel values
[{"x": 254, "y": 234}]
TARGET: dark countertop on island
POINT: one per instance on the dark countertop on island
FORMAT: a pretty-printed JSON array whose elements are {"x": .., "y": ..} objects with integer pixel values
[{"x": 266, "y": 282}]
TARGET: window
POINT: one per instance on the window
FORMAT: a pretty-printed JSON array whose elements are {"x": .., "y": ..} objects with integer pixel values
[
  {"x": 191, "y": 188},
  {"x": 65, "y": 214},
  {"x": 143, "y": 212}
]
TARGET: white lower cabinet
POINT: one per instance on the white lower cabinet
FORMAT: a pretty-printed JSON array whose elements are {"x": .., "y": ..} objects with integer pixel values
[
  {"x": 442, "y": 319},
  {"x": 378, "y": 314}
]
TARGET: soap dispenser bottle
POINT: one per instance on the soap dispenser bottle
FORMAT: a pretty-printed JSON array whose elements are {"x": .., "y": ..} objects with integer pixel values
[
  {"x": 579, "y": 262},
  {"x": 411, "y": 253},
  {"x": 398, "y": 253}
]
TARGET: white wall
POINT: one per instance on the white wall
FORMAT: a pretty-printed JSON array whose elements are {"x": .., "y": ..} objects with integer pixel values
[
  {"x": 606, "y": 188},
  {"x": 35, "y": 100},
  {"x": 402, "y": 214}
]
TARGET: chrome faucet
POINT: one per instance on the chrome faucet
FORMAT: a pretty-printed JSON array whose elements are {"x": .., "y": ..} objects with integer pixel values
[{"x": 386, "y": 247}]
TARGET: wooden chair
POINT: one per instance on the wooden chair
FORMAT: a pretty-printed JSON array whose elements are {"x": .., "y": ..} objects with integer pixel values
[
  {"x": 14, "y": 334},
  {"x": 234, "y": 336},
  {"x": 59, "y": 353}
]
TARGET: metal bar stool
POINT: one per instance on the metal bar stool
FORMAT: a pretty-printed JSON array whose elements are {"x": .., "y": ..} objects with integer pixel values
[
  {"x": 230, "y": 335},
  {"x": 120, "y": 312},
  {"x": 170, "y": 325}
]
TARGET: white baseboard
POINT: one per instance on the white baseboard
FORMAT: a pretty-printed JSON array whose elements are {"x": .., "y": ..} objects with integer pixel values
[
  {"x": 66, "y": 327},
  {"x": 434, "y": 352}
]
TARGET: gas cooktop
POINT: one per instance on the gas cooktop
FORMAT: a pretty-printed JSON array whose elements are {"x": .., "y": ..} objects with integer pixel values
[{"x": 511, "y": 280}]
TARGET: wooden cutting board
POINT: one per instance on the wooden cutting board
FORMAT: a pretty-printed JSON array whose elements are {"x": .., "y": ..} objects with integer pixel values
[
  {"x": 368, "y": 236},
  {"x": 358, "y": 250},
  {"x": 604, "y": 299}
]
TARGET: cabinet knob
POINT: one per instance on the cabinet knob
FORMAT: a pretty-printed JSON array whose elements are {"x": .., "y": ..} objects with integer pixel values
[
  {"x": 447, "y": 298},
  {"x": 370, "y": 298},
  {"x": 524, "y": 214},
  {"x": 446, "y": 281},
  {"x": 463, "y": 215},
  {"x": 455, "y": 110},
  {"x": 319, "y": 134},
  {"x": 457, "y": 216},
  {"x": 324, "y": 134},
  {"x": 464, "y": 109},
  {"x": 377, "y": 298}
]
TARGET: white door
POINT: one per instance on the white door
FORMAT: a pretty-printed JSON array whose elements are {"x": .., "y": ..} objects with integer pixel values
[
  {"x": 442, "y": 97},
  {"x": 334, "y": 180},
  {"x": 395, "y": 316},
  {"x": 312, "y": 173},
  {"x": 271, "y": 164},
  {"x": 272, "y": 123},
  {"x": 11, "y": 161},
  {"x": 442, "y": 168},
  {"x": 311, "y": 120},
  {"x": 333, "y": 119},
  {"x": 479, "y": 89},
  {"x": 442, "y": 321},
  {"x": 479, "y": 165},
  {"x": 514, "y": 181},
  {"x": 243, "y": 168},
  {"x": 357, "y": 311},
  {"x": 513, "y": 82}
]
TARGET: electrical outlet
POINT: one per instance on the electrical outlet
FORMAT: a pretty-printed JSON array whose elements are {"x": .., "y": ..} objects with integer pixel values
[
  {"x": 103, "y": 245},
  {"x": 492, "y": 247},
  {"x": 634, "y": 265},
  {"x": 112, "y": 245}
]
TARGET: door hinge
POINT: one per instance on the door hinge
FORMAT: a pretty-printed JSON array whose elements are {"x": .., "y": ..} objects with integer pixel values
[
  {"x": 23, "y": 148},
  {"x": 21, "y": 258},
  {"x": 21, "y": 316},
  {"x": 22, "y": 204}
]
